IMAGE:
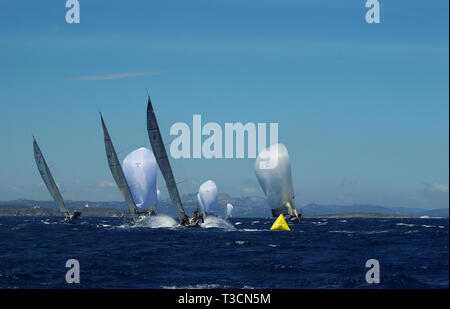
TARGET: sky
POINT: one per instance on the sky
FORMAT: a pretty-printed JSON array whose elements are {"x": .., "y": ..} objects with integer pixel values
[{"x": 362, "y": 108}]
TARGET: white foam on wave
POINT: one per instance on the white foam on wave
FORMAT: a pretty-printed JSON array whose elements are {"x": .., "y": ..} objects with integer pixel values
[
  {"x": 241, "y": 242},
  {"x": 377, "y": 232},
  {"x": 251, "y": 230},
  {"x": 216, "y": 222},
  {"x": 47, "y": 221},
  {"x": 154, "y": 222},
  {"x": 344, "y": 232},
  {"x": 320, "y": 223},
  {"x": 157, "y": 222},
  {"x": 405, "y": 224}
]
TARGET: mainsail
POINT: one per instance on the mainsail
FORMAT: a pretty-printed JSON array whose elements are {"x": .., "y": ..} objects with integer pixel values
[
  {"x": 159, "y": 150},
  {"x": 117, "y": 172},
  {"x": 48, "y": 179}
]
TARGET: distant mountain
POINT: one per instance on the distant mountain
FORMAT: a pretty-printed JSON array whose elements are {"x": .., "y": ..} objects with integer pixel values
[
  {"x": 247, "y": 206},
  {"x": 16, "y": 210},
  {"x": 315, "y": 210},
  {"x": 71, "y": 204},
  {"x": 440, "y": 212}
]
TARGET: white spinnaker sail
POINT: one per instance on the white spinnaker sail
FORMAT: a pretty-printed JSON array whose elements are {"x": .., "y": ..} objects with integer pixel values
[
  {"x": 200, "y": 204},
  {"x": 139, "y": 168},
  {"x": 229, "y": 210},
  {"x": 208, "y": 197},
  {"x": 117, "y": 172},
  {"x": 162, "y": 159},
  {"x": 158, "y": 195},
  {"x": 273, "y": 170},
  {"x": 48, "y": 179}
]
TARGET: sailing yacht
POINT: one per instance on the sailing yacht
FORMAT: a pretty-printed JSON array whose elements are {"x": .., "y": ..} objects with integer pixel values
[
  {"x": 119, "y": 177},
  {"x": 154, "y": 135},
  {"x": 140, "y": 170},
  {"x": 51, "y": 185},
  {"x": 229, "y": 211},
  {"x": 273, "y": 171},
  {"x": 207, "y": 198}
]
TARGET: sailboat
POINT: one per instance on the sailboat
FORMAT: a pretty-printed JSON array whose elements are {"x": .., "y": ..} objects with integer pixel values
[
  {"x": 119, "y": 177},
  {"x": 51, "y": 184},
  {"x": 208, "y": 199},
  {"x": 139, "y": 168},
  {"x": 154, "y": 135},
  {"x": 273, "y": 171},
  {"x": 229, "y": 211}
]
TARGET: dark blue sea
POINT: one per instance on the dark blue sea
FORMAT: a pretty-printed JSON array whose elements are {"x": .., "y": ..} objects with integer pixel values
[{"x": 318, "y": 253}]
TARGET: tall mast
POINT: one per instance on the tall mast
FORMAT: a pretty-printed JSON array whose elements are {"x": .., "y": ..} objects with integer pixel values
[
  {"x": 48, "y": 179},
  {"x": 117, "y": 172},
  {"x": 162, "y": 159}
]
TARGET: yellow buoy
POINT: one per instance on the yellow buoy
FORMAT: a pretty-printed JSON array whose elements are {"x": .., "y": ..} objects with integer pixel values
[{"x": 280, "y": 224}]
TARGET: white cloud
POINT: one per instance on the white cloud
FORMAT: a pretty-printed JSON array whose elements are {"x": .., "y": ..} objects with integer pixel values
[
  {"x": 106, "y": 184},
  {"x": 439, "y": 187},
  {"x": 113, "y": 76},
  {"x": 248, "y": 190}
]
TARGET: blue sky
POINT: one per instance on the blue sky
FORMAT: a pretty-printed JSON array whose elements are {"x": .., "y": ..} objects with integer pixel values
[{"x": 363, "y": 108}]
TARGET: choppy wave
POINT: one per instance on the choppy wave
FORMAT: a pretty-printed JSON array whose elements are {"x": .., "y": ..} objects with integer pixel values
[
  {"x": 251, "y": 230},
  {"x": 241, "y": 242},
  {"x": 157, "y": 222},
  {"x": 343, "y": 231},
  {"x": 157, "y": 253},
  {"x": 320, "y": 223},
  {"x": 405, "y": 224},
  {"x": 216, "y": 222},
  {"x": 154, "y": 222}
]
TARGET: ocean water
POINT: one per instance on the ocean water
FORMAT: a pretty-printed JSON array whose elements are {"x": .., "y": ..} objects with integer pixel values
[{"x": 241, "y": 253}]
